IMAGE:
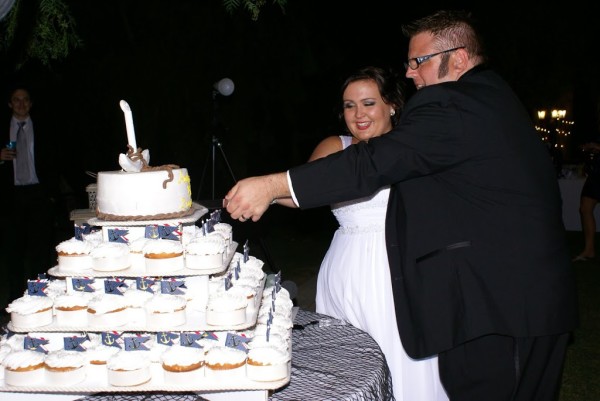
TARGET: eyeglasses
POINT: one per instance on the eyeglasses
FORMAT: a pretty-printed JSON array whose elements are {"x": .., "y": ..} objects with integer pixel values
[{"x": 415, "y": 62}]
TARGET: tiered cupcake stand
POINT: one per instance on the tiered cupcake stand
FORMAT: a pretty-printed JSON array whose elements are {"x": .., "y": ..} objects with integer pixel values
[{"x": 231, "y": 389}]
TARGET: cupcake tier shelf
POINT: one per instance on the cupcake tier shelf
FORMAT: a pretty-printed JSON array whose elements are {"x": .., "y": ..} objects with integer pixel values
[{"x": 139, "y": 272}]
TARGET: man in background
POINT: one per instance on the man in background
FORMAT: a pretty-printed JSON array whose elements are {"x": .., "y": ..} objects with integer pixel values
[{"x": 29, "y": 190}]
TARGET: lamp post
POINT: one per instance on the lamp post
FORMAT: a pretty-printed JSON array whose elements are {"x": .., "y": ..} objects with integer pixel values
[{"x": 553, "y": 134}]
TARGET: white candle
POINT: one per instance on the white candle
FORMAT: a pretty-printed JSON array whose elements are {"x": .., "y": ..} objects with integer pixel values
[{"x": 129, "y": 125}]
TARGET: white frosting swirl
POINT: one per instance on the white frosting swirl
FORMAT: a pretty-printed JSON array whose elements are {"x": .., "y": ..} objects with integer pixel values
[
  {"x": 268, "y": 355},
  {"x": 137, "y": 298},
  {"x": 71, "y": 300},
  {"x": 280, "y": 318},
  {"x": 65, "y": 359},
  {"x": 128, "y": 360},
  {"x": 222, "y": 355},
  {"x": 182, "y": 356},
  {"x": 75, "y": 247},
  {"x": 4, "y": 350},
  {"x": 104, "y": 303},
  {"x": 225, "y": 302},
  {"x": 137, "y": 245},
  {"x": 109, "y": 250},
  {"x": 275, "y": 340},
  {"x": 95, "y": 237},
  {"x": 163, "y": 303},
  {"x": 29, "y": 304},
  {"x": 23, "y": 359},
  {"x": 209, "y": 245},
  {"x": 156, "y": 246},
  {"x": 56, "y": 288},
  {"x": 100, "y": 353}
]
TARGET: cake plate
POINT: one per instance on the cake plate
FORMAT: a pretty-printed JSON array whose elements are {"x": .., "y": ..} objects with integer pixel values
[{"x": 192, "y": 218}]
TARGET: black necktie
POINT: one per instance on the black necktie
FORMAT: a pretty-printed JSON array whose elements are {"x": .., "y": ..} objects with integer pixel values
[{"x": 22, "y": 155}]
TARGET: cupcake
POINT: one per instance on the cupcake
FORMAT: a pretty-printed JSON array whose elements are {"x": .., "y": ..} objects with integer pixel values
[
  {"x": 110, "y": 256},
  {"x": 165, "y": 311},
  {"x": 277, "y": 318},
  {"x": 128, "y": 368},
  {"x": 136, "y": 254},
  {"x": 246, "y": 291},
  {"x": 225, "y": 362},
  {"x": 255, "y": 275},
  {"x": 97, "y": 358},
  {"x": 205, "y": 253},
  {"x": 163, "y": 256},
  {"x": 272, "y": 340},
  {"x": 4, "y": 350},
  {"x": 15, "y": 341},
  {"x": 30, "y": 312},
  {"x": 226, "y": 231},
  {"x": 253, "y": 263},
  {"x": 24, "y": 368},
  {"x": 224, "y": 309},
  {"x": 189, "y": 233},
  {"x": 271, "y": 329},
  {"x": 74, "y": 255},
  {"x": 56, "y": 288},
  {"x": 276, "y": 300},
  {"x": 136, "y": 301},
  {"x": 71, "y": 310},
  {"x": 108, "y": 310},
  {"x": 267, "y": 363},
  {"x": 65, "y": 368},
  {"x": 182, "y": 365}
]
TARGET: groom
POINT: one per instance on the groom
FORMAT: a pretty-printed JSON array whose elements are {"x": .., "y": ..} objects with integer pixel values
[{"x": 478, "y": 257}]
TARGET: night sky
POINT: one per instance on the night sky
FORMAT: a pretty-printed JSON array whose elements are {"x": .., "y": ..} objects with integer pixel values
[{"x": 163, "y": 57}]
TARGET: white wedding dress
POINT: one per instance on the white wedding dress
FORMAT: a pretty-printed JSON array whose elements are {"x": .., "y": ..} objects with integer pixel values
[{"x": 354, "y": 285}]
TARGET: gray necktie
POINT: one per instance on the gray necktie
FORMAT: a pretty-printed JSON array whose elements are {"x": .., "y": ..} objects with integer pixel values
[{"x": 22, "y": 155}]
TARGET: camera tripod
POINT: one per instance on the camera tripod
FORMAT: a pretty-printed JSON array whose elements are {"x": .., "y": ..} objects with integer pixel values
[
  {"x": 214, "y": 145},
  {"x": 214, "y": 203}
]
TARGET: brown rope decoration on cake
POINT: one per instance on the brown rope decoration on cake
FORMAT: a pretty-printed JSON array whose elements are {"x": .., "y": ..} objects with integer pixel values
[
  {"x": 137, "y": 155},
  {"x": 162, "y": 216}
]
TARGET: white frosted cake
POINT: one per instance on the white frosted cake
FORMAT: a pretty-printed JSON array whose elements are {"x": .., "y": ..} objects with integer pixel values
[
  {"x": 150, "y": 194},
  {"x": 206, "y": 252},
  {"x": 163, "y": 310},
  {"x": 71, "y": 310},
  {"x": 182, "y": 365},
  {"x": 65, "y": 368},
  {"x": 110, "y": 256},
  {"x": 128, "y": 368},
  {"x": 225, "y": 362},
  {"x": 24, "y": 368},
  {"x": 74, "y": 255},
  {"x": 267, "y": 364},
  {"x": 29, "y": 312}
]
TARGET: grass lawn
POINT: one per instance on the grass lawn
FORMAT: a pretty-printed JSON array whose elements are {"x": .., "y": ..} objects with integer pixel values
[{"x": 580, "y": 379}]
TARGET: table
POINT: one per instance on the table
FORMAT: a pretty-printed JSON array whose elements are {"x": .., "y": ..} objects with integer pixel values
[
  {"x": 570, "y": 190},
  {"x": 330, "y": 361},
  {"x": 334, "y": 361}
]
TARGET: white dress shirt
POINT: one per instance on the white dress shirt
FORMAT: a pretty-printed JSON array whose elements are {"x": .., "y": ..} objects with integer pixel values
[{"x": 28, "y": 131}]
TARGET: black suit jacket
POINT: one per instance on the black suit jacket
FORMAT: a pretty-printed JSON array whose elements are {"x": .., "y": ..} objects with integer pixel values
[
  {"x": 48, "y": 161},
  {"x": 474, "y": 229}
]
